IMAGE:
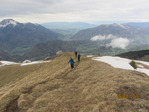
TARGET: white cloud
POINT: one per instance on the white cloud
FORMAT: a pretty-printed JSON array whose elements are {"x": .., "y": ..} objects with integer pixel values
[
  {"x": 104, "y": 37},
  {"x": 116, "y": 42},
  {"x": 119, "y": 43}
]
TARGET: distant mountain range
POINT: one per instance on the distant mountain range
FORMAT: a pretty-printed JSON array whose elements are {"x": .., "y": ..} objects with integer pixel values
[
  {"x": 34, "y": 41},
  {"x": 105, "y": 40},
  {"x": 68, "y": 25},
  {"x": 119, "y": 30},
  {"x": 115, "y": 35},
  {"x": 18, "y": 37},
  {"x": 114, "y": 29},
  {"x": 139, "y": 24}
]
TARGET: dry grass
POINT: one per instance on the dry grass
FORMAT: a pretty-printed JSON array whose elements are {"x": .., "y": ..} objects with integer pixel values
[
  {"x": 145, "y": 58},
  {"x": 16, "y": 72},
  {"x": 0, "y": 63},
  {"x": 91, "y": 87}
]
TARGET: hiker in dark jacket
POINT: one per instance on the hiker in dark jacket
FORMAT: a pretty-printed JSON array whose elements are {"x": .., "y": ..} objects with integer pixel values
[
  {"x": 79, "y": 56},
  {"x": 76, "y": 53},
  {"x": 71, "y": 61}
]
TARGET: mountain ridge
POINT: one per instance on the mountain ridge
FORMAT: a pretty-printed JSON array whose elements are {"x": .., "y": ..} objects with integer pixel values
[
  {"x": 139, "y": 24},
  {"x": 91, "y": 86},
  {"x": 21, "y": 37},
  {"x": 137, "y": 55},
  {"x": 119, "y": 30},
  {"x": 67, "y": 25}
]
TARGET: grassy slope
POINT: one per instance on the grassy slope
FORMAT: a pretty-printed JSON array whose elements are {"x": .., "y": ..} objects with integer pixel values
[
  {"x": 145, "y": 58},
  {"x": 137, "y": 55},
  {"x": 91, "y": 87},
  {"x": 15, "y": 72}
]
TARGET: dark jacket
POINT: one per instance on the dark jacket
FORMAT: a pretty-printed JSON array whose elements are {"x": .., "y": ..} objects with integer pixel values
[{"x": 79, "y": 56}]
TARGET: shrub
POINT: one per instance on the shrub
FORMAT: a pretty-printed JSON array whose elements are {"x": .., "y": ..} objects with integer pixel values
[
  {"x": 59, "y": 53},
  {"x": 27, "y": 61},
  {"x": 133, "y": 64}
]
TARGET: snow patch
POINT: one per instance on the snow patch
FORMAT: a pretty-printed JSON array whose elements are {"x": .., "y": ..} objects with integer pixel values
[
  {"x": 34, "y": 62},
  {"x": 89, "y": 56},
  {"x": 122, "y": 63},
  {"x": 120, "y": 25},
  {"x": 116, "y": 62},
  {"x": 117, "y": 25},
  {"x": 4, "y": 63}
]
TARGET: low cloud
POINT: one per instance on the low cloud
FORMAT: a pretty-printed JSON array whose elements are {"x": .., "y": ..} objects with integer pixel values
[
  {"x": 116, "y": 42},
  {"x": 100, "y": 37},
  {"x": 121, "y": 43}
]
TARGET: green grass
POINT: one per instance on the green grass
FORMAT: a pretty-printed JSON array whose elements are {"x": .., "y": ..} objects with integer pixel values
[{"x": 20, "y": 50}]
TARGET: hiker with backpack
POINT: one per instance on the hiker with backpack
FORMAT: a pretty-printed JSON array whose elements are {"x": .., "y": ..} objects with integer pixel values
[
  {"x": 79, "y": 56},
  {"x": 76, "y": 53},
  {"x": 71, "y": 61}
]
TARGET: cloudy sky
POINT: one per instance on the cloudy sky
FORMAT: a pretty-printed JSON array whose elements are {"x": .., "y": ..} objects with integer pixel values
[{"x": 39, "y": 11}]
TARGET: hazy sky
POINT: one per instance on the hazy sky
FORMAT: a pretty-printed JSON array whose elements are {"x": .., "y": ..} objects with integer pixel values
[{"x": 39, "y": 11}]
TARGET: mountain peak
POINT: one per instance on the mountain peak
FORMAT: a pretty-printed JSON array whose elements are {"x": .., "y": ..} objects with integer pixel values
[
  {"x": 120, "y": 25},
  {"x": 116, "y": 25},
  {"x": 7, "y": 22}
]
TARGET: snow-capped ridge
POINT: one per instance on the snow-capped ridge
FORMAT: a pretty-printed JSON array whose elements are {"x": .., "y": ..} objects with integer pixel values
[
  {"x": 4, "y": 63},
  {"x": 120, "y": 25},
  {"x": 116, "y": 25},
  {"x": 7, "y": 22}
]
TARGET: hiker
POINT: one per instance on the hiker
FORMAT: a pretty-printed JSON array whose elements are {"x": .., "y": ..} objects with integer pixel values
[
  {"x": 76, "y": 53},
  {"x": 71, "y": 61},
  {"x": 79, "y": 56}
]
